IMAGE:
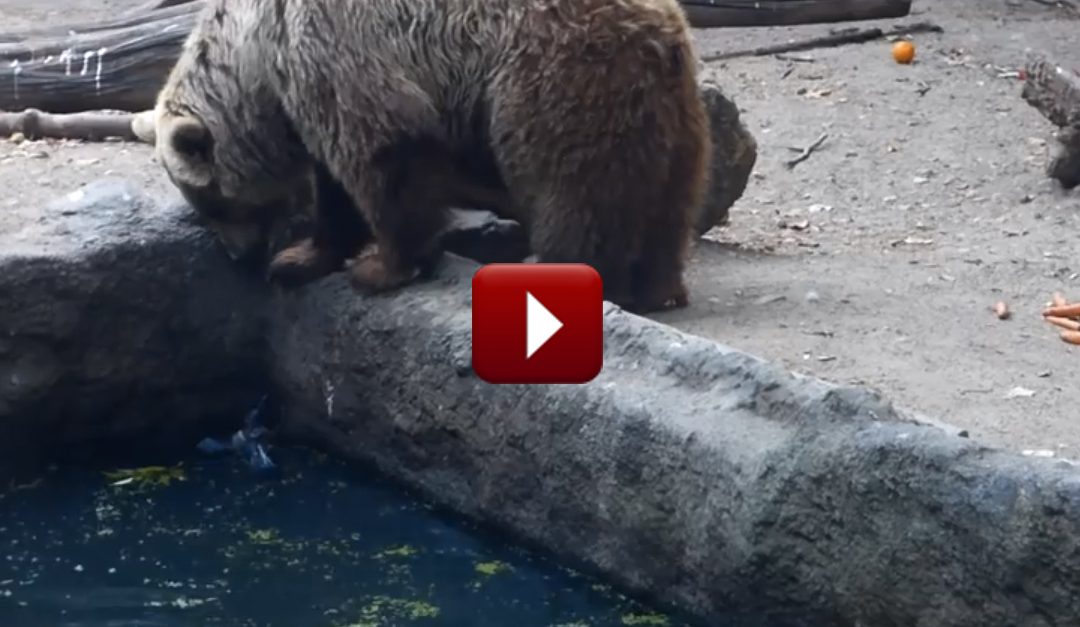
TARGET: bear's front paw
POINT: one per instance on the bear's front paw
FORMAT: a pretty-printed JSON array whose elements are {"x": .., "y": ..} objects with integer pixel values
[
  {"x": 370, "y": 272},
  {"x": 301, "y": 264}
]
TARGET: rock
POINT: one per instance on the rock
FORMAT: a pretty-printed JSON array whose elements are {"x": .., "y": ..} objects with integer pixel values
[
  {"x": 1054, "y": 91},
  {"x": 119, "y": 331},
  {"x": 483, "y": 236},
  {"x": 734, "y": 155},
  {"x": 699, "y": 474},
  {"x": 1064, "y": 163}
]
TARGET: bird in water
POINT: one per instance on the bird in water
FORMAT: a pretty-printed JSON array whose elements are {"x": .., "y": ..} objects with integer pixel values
[{"x": 245, "y": 442}]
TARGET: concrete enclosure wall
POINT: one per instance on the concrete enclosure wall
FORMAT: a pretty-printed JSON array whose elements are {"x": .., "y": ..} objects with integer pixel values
[
  {"x": 693, "y": 472},
  {"x": 118, "y": 329}
]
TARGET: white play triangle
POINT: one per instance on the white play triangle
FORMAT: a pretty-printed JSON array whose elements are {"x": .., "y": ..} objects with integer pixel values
[{"x": 540, "y": 325}]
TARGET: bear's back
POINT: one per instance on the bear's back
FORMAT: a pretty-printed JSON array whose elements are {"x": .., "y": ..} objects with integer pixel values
[
  {"x": 447, "y": 47},
  {"x": 452, "y": 48}
]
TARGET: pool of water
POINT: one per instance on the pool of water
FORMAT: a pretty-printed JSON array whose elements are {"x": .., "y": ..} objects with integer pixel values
[{"x": 207, "y": 542}]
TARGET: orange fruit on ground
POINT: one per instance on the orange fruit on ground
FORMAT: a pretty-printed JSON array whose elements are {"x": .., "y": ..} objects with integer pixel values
[{"x": 903, "y": 52}]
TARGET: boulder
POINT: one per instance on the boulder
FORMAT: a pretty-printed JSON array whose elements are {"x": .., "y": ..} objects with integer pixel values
[
  {"x": 734, "y": 155},
  {"x": 1054, "y": 91}
]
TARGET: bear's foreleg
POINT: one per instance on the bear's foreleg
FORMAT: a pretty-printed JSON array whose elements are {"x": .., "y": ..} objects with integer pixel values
[
  {"x": 659, "y": 267},
  {"x": 339, "y": 233},
  {"x": 409, "y": 187}
]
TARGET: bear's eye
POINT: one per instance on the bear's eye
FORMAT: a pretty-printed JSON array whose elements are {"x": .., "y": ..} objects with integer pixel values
[
  {"x": 188, "y": 147},
  {"x": 191, "y": 139}
]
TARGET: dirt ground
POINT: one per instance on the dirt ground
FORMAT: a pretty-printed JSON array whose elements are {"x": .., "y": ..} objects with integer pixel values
[{"x": 877, "y": 260}]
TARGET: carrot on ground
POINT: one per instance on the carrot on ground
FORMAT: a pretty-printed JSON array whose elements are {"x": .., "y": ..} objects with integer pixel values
[
  {"x": 1001, "y": 310},
  {"x": 1065, "y": 311},
  {"x": 1072, "y": 337},
  {"x": 1064, "y": 323}
]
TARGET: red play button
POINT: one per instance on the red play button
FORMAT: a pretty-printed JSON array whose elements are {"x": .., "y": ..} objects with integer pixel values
[{"x": 537, "y": 323}]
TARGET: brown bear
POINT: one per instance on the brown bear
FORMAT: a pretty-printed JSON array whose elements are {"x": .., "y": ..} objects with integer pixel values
[{"x": 580, "y": 119}]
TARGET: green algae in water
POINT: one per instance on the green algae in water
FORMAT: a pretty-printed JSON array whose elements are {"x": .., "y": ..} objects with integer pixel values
[
  {"x": 652, "y": 620},
  {"x": 492, "y": 568},
  {"x": 209, "y": 543}
]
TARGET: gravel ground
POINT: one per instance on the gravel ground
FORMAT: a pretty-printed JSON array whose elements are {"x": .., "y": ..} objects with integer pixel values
[{"x": 875, "y": 261}]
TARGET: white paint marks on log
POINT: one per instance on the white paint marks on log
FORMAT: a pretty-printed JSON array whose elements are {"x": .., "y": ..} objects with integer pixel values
[
  {"x": 16, "y": 69},
  {"x": 65, "y": 58},
  {"x": 89, "y": 54},
  {"x": 329, "y": 394},
  {"x": 97, "y": 74}
]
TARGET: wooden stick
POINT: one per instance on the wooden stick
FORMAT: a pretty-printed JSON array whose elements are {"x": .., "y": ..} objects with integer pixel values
[
  {"x": 737, "y": 13},
  {"x": 89, "y": 126},
  {"x": 828, "y": 41},
  {"x": 806, "y": 152}
]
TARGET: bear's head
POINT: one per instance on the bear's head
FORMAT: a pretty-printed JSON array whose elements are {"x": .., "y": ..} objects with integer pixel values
[{"x": 230, "y": 150}]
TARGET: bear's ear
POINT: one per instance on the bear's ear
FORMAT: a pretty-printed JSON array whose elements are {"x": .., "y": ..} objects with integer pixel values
[
  {"x": 190, "y": 138},
  {"x": 185, "y": 148}
]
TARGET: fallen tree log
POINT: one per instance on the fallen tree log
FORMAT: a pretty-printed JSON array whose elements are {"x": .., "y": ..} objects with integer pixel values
[
  {"x": 1054, "y": 91},
  {"x": 120, "y": 69},
  {"x": 742, "y": 13},
  {"x": 120, "y": 63},
  {"x": 57, "y": 31}
]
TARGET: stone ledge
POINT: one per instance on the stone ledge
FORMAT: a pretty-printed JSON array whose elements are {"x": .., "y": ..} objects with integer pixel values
[{"x": 703, "y": 476}]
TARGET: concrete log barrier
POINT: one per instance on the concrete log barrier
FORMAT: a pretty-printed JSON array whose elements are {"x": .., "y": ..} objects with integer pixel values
[
  {"x": 691, "y": 472},
  {"x": 694, "y": 472}
]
